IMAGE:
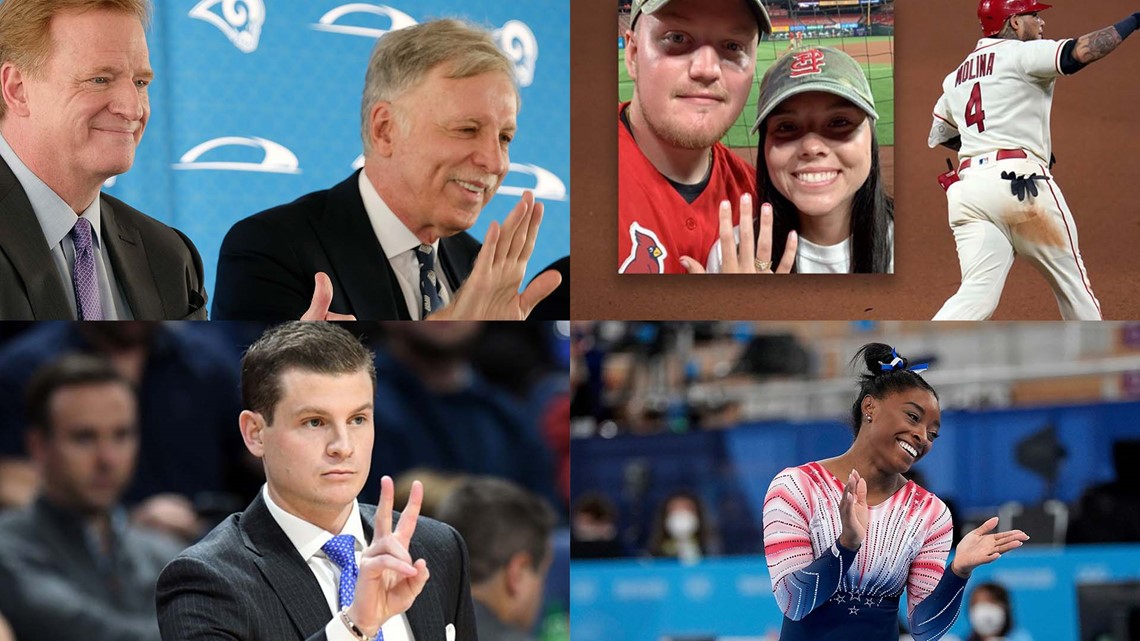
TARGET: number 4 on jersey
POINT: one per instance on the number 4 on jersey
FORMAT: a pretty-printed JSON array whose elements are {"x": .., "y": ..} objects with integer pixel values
[{"x": 974, "y": 113}]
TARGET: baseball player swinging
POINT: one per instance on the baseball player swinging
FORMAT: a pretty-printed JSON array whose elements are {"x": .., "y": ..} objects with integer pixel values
[{"x": 994, "y": 111}]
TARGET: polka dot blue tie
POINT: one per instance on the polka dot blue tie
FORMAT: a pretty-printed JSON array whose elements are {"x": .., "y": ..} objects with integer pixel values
[{"x": 342, "y": 550}]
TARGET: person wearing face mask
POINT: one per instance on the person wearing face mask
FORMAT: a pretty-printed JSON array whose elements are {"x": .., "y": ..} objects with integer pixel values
[
  {"x": 991, "y": 615},
  {"x": 824, "y": 208},
  {"x": 681, "y": 531},
  {"x": 840, "y": 552}
]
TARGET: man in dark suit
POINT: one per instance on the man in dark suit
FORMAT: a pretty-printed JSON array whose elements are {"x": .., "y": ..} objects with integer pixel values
[
  {"x": 305, "y": 560},
  {"x": 438, "y": 116},
  {"x": 509, "y": 530},
  {"x": 74, "y": 108},
  {"x": 71, "y": 563}
]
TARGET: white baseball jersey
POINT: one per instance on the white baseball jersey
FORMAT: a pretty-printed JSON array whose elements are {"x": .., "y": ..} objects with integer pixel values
[{"x": 1000, "y": 97}]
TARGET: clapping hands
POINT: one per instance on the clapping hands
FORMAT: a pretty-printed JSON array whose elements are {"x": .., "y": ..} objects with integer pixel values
[
  {"x": 854, "y": 512},
  {"x": 492, "y": 290},
  {"x": 979, "y": 547}
]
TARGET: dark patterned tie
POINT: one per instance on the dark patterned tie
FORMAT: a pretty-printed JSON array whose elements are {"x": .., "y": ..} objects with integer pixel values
[
  {"x": 87, "y": 301},
  {"x": 430, "y": 299}
]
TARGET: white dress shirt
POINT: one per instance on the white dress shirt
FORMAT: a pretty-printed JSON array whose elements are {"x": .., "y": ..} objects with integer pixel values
[
  {"x": 308, "y": 539},
  {"x": 56, "y": 219},
  {"x": 400, "y": 245}
]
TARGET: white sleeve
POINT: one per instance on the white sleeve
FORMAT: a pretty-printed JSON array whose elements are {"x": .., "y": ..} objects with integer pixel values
[
  {"x": 335, "y": 631},
  {"x": 943, "y": 127},
  {"x": 1041, "y": 58}
]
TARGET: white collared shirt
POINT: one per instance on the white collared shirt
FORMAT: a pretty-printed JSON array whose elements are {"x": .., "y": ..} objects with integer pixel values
[
  {"x": 400, "y": 245},
  {"x": 308, "y": 539},
  {"x": 56, "y": 220}
]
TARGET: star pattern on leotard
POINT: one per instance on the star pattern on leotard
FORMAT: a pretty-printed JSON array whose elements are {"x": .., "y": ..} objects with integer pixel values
[
  {"x": 839, "y": 597},
  {"x": 853, "y": 610}
]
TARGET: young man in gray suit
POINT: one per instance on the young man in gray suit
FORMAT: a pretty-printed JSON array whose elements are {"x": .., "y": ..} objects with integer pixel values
[
  {"x": 305, "y": 560},
  {"x": 71, "y": 564}
]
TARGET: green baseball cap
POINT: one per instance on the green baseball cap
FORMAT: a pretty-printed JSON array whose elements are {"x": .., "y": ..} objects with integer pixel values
[
  {"x": 649, "y": 6},
  {"x": 814, "y": 69}
]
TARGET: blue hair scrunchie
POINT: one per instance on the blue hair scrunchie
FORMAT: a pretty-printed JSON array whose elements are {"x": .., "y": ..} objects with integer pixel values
[{"x": 897, "y": 364}]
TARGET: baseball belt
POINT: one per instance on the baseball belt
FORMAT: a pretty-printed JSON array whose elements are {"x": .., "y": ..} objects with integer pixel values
[{"x": 1002, "y": 154}]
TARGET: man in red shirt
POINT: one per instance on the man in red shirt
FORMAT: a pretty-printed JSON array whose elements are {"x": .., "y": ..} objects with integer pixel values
[{"x": 692, "y": 63}]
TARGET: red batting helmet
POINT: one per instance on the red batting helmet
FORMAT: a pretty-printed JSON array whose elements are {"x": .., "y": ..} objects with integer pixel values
[{"x": 994, "y": 13}]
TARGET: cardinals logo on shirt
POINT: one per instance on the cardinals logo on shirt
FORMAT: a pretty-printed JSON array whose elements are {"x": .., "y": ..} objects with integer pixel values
[{"x": 647, "y": 255}]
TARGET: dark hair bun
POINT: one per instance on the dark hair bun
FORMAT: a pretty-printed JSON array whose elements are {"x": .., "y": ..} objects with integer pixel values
[{"x": 875, "y": 355}]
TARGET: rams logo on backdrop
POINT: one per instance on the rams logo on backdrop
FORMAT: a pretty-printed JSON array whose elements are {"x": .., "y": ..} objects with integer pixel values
[
  {"x": 547, "y": 185},
  {"x": 329, "y": 21},
  {"x": 240, "y": 20},
  {"x": 278, "y": 159},
  {"x": 518, "y": 42}
]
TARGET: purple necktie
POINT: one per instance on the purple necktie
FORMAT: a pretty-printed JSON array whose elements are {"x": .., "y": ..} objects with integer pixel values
[{"x": 87, "y": 300}]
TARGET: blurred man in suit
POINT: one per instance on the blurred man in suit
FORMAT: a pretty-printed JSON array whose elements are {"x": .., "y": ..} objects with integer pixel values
[
  {"x": 437, "y": 119},
  {"x": 74, "y": 76},
  {"x": 70, "y": 564},
  {"x": 508, "y": 531},
  {"x": 305, "y": 560}
]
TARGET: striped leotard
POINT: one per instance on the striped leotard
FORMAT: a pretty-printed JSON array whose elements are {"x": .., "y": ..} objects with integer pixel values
[{"x": 827, "y": 592}]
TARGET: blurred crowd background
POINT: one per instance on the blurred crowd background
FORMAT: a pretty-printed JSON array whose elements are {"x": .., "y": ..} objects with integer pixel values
[
  {"x": 457, "y": 404},
  {"x": 678, "y": 428}
]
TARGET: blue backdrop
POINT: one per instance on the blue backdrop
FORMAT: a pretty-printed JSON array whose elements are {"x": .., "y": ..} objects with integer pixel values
[{"x": 257, "y": 102}]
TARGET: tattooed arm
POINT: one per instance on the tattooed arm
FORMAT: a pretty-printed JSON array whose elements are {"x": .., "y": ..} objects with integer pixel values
[
  {"x": 1098, "y": 44},
  {"x": 1089, "y": 48}
]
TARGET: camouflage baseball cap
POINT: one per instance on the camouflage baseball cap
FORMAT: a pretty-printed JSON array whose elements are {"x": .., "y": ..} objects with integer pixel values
[
  {"x": 814, "y": 69},
  {"x": 649, "y": 6}
]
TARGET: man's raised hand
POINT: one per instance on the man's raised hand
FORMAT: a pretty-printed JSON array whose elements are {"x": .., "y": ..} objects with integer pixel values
[{"x": 389, "y": 579}]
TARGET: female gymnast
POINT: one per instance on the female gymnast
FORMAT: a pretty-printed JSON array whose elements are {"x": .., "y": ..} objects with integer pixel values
[{"x": 841, "y": 552}]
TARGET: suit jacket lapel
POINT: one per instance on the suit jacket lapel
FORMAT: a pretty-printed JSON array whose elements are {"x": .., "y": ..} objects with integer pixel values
[
  {"x": 449, "y": 260},
  {"x": 132, "y": 269},
  {"x": 362, "y": 269},
  {"x": 23, "y": 242},
  {"x": 426, "y": 614},
  {"x": 284, "y": 570}
]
